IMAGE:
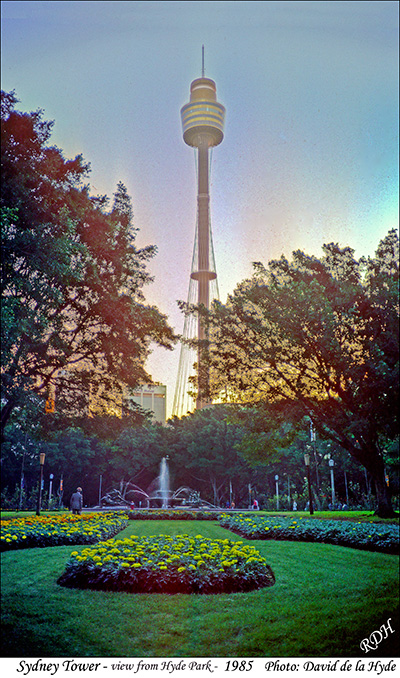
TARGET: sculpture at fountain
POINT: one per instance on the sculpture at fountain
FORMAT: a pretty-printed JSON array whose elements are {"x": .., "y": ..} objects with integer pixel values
[{"x": 158, "y": 495}]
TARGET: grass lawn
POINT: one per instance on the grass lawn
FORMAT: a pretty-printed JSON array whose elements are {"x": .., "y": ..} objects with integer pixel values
[{"x": 325, "y": 601}]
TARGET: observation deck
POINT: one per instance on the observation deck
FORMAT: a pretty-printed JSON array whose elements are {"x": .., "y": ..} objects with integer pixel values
[{"x": 203, "y": 117}]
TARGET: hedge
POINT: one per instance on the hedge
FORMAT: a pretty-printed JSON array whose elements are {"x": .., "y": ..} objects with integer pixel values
[{"x": 366, "y": 536}]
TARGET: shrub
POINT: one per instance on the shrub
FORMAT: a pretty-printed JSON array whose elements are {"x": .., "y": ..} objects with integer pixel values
[
  {"x": 166, "y": 564},
  {"x": 367, "y": 536},
  {"x": 172, "y": 514}
]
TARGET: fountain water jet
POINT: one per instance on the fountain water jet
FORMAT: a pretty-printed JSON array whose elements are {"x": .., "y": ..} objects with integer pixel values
[{"x": 164, "y": 482}]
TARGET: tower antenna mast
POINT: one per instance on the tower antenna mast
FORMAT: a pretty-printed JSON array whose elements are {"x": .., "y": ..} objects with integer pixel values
[{"x": 202, "y": 61}]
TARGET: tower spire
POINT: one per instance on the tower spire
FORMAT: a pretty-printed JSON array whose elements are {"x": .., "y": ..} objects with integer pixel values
[{"x": 202, "y": 61}]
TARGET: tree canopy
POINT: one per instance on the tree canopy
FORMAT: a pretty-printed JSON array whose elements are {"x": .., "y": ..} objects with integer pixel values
[
  {"x": 74, "y": 316},
  {"x": 317, "y": 337}
]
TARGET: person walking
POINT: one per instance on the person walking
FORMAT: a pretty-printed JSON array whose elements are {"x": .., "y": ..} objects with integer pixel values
[{"x": 76, "y": 502}]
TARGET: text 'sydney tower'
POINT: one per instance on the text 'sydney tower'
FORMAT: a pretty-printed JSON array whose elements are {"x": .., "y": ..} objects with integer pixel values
[{"x": 203, "y": 128}]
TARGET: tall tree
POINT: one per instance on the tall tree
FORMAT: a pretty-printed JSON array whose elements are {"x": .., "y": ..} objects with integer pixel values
[
  {"x": 74, "y": 315},
  {"x": 318, "y": 337},
  {"x": 206, "y": 455}
]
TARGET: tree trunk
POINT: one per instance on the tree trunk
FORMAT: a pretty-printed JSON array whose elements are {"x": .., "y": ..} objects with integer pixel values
[
  {"x": 384, "y": 509},
  {"x": 372, "y": 460},
  {"x": 6, "y": 412}
]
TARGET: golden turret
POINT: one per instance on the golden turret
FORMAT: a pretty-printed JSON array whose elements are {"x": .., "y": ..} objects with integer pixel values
[{"x": 203, "y": 117}]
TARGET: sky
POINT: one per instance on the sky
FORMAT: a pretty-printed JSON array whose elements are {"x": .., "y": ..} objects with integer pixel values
[{"x": 310, "y": 153}]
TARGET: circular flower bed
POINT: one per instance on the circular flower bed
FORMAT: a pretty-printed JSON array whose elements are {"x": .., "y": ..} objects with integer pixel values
[{"x": 165, "y": 564}]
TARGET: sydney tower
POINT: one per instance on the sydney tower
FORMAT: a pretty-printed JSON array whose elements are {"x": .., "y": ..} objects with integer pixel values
[{"x": 203, "y": 127}]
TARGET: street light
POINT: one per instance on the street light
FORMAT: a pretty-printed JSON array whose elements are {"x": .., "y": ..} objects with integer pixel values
[
  {"x": 22, "y": 474},
  {"x": 39, "y": 500},
  {"x": 100, "y": 484},
  {"x": 277, "y": 492},
  {"x": 307, "y": 463},
  {"x": 50, "y": 488},
  {"x": 331, "y": 465}
]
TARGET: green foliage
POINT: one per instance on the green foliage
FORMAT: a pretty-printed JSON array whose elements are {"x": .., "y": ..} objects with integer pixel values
[
  {"x": 74, "y": 316},
  {"x": 317, "y": 337},
  {"x": 370, "y": 537},
  {"x": 165, "y": 514},
  {"x": 205, "y": 455},
  {"x": 136, "y": 453},
  {"x": 133, "y": 455}
]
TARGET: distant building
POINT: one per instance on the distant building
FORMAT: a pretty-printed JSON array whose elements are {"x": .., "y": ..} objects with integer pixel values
[{"x": 152, "y": 397}]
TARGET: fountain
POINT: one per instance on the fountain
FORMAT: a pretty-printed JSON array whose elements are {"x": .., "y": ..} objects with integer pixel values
[
  {"x": 164, "y": 482},
  {"x": 159, "y": 494}
]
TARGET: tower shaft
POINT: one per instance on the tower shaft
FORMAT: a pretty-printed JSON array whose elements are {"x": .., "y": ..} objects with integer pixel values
[
  {"x": 203, "y": 216},
  {"x": 203, "y": 293}
]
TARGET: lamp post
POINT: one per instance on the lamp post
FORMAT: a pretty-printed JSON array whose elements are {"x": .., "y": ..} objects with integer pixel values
[
  {"x": 39, "y": 501},
  {"x": 331, "y": 465},
  {"x": 60, "y": 491},
  {"x": 307, "y": 463},
  {"x": 277, "y": 491},
  {"x": 22, "y": 474},
  {"x": 100, "y": 484},
  {"x": 313, "y": 440},
  {"x": 50, "y": 488}
]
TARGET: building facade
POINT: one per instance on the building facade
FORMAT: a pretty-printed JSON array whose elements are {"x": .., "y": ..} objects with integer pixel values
[{"x": 152, "y": 397}]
